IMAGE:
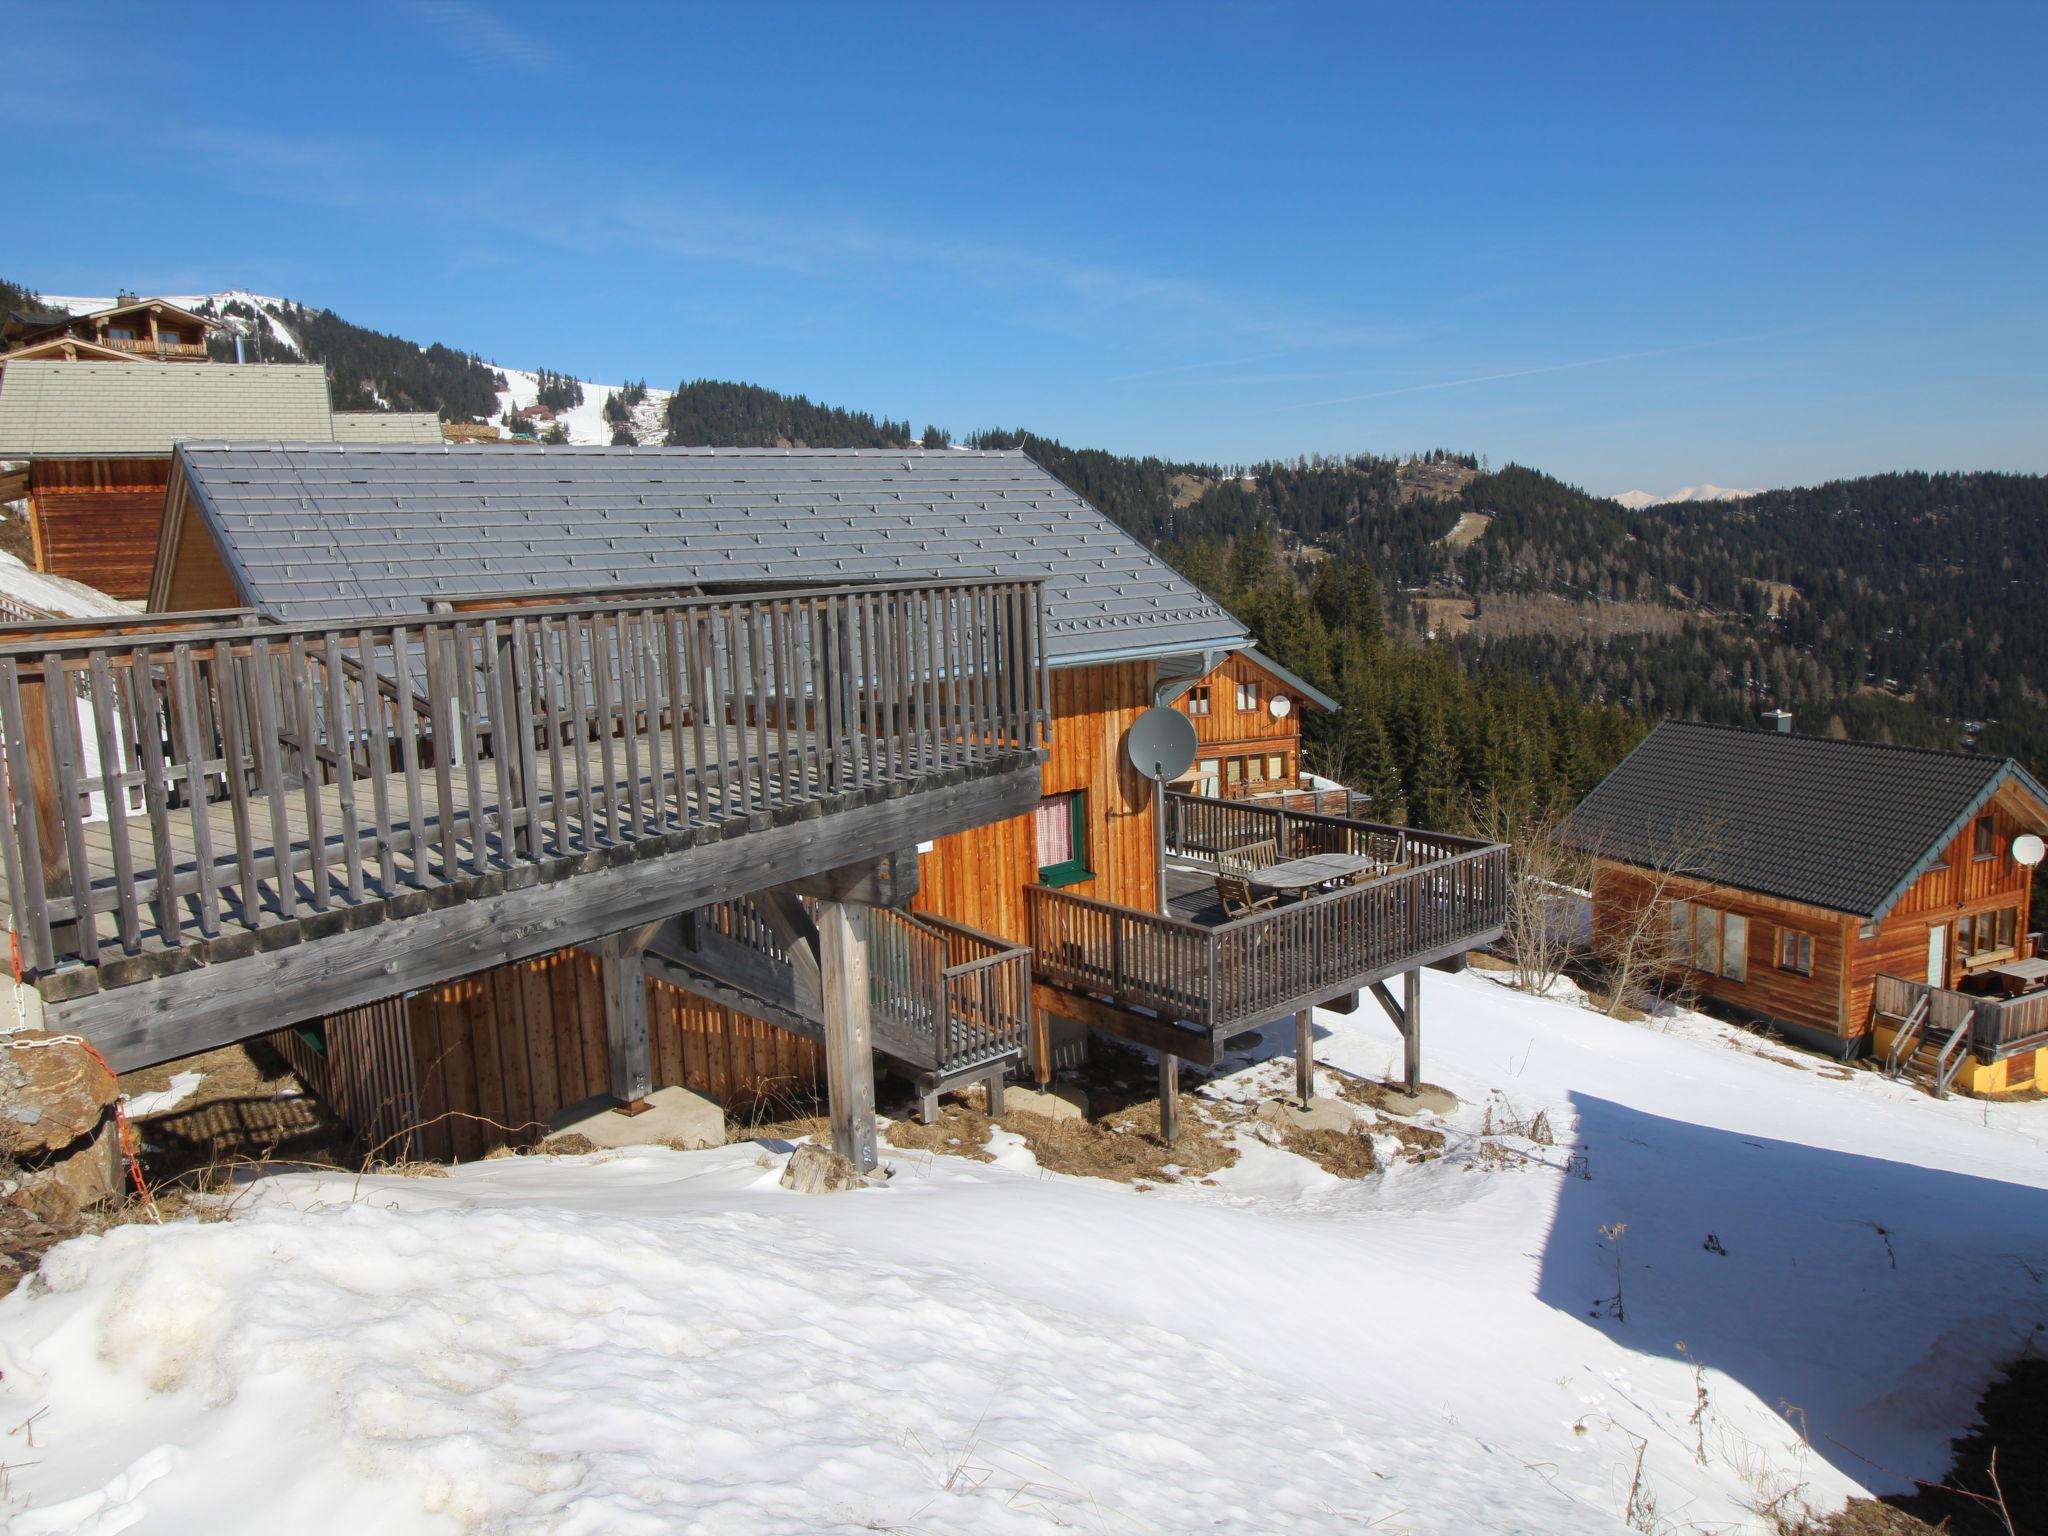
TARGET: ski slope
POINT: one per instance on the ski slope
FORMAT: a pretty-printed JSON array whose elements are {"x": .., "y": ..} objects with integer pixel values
[
  {"x": 1805, "y": 1275},
  {"x": 584, "y": 423}
]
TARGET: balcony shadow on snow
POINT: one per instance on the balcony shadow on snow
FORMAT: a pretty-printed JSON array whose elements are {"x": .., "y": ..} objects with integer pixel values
[{"x": 1867, "y": 1300}]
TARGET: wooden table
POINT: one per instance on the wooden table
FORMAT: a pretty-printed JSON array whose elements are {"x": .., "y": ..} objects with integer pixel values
[{"x": 1318, "y": 869}]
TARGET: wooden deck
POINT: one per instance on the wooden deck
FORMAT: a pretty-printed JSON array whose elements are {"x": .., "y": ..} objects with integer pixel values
[
  {"x": 187, "y": 793},
  {"x": 1188, "y": 980}
]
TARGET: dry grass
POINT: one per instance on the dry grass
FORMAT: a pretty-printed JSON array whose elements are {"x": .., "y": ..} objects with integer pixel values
[
  {"x": 960, "y": 1131},
  {"x": 1418, "y": 1142},
  {"x": 1125, "y": 1146},
  {"x": 1347, "y": 1154}
]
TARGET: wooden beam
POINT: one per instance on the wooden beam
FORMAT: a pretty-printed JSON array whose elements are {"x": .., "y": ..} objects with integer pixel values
[
  {"x": 1411, "y": 995},
  {"x": 889, "y": 881},
  {"x": 788, "y": 921},
  {"x": 849, "y": 1050},
  {"x": 625, "y": 1012},
  {"x": 228, "y": 989},
  {"x": 1127, "y": 1024},
  {"x": 1393, "y": 1010}
]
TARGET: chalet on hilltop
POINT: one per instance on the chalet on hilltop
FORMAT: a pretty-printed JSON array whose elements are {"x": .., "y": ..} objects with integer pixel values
[
  {"x": 152, "y": 329},
  {"x": 520, "y": 776},
  {"x": 94, "y": 442},
  {"x": 1861, "y": 898}
]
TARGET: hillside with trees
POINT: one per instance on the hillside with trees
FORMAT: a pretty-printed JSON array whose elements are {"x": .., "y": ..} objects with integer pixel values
[
  {"x": 715, "y": 413},
  {"x": 1519, "y": 630}
]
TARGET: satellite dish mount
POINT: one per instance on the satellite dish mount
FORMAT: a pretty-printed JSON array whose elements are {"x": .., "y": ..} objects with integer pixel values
[{"x": 1161, "y": 745}]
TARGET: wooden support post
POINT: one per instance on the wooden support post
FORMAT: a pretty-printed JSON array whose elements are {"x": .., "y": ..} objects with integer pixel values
[
  {"x": 849, "y": 1045},
  {"x": 1169, "y": 1099},
  {"x": 625, "y": 1012},
  {"x": 1411, "y": 1009},
  {"x": 1305, "y": 1055}
]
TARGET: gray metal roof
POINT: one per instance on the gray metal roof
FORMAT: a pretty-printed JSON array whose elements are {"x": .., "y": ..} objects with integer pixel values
[
  {"x": 142, "y": 409},
  {"x": 386, "y": 427},
  {"x": 343, "y": 531},
  {"x": 1844, "y": 825},
  {"x": 1294, "y": 680}
]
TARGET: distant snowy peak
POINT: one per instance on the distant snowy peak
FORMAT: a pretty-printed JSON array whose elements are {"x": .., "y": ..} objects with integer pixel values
[
  {"x": 1637, "y": 500},
  {"x": 583, "y": 423}
]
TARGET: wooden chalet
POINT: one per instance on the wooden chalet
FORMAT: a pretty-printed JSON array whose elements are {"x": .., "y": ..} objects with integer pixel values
[
  {"x": 522, "y": 775},
  {"x": 155, "y": 330},
  {"x": 1247, "y": 712},
  {"x": 93, "y": 441},
  {"x": 1860, "y": 898}
]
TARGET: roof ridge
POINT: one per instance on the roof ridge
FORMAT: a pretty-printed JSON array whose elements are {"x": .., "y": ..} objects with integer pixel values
[{"x": 1833, "y": 741}]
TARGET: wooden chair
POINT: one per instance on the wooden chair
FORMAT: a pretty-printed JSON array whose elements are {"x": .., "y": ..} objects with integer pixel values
[
  {"x": 1249, "y": 859},
  {"x": 1239, "y": 899}
]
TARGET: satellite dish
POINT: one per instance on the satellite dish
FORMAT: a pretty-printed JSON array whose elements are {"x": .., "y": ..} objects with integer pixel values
[
  {"x": 1280, "y": 706},
  {"x": 1161, "y": 743},
  {"x": 2027, "y": 849}
]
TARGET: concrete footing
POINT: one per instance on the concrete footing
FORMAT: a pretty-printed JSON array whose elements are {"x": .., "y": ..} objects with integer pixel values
[
  {"x": 676, "y": 1117},
  {"x": 1061, "y": 1101},
  {"x": 1320, "y": 1114}
]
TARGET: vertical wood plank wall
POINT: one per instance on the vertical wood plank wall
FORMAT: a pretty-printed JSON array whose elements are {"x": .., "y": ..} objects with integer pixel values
[
  {"x": 1967, "y": 886},
  {"x": 978, "y": 876},
  {"x": 199, "y": 579},
  {"x": 97, "y": 520},
  {"x": 506, "y": 1048},
  {"x": 495, "y": 1054},
  {"x": 1226, "y": 731},
  {"x": 1836, "y": 997}
]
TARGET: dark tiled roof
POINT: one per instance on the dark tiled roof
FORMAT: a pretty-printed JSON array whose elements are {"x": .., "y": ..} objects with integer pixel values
[
  {"x": 347, "y": 531},
  {"x": 1838, "y": 824}
]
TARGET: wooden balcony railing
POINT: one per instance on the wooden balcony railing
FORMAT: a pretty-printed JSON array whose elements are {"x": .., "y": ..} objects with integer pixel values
[
  {"x": 181, "y": 351},
  {"x": 177, "y": 780},
  {"x": 1199, "y": 828},
  {"x": 1243, "y": 973},
  {"x": 945, "y": 999},
  {"x": 1989, "y": 1027}
]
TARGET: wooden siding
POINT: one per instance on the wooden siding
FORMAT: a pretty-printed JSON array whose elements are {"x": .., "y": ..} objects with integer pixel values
[
  {"x": 978, "y": 877},
  {"x": 97, "y": 520},
  {"x": 1962, "y": 885},
  {"x": 198, "y": 578},
  {"x": 1837, "y": 996},
  {"x": 1814, "y": 1001},
  {"x": 494, "y": 1055}
]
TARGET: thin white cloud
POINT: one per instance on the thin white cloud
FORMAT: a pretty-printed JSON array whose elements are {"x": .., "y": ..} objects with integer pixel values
[{"x": 483, "y": 36}]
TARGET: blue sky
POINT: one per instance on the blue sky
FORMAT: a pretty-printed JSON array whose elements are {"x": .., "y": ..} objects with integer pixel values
[{"x": 1635, "y": 245}]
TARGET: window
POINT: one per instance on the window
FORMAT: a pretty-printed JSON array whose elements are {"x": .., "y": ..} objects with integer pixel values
[
  {"x": 1795, "y": 951},
  {"x": 1988, "y": 933},
  {"x": 1061, "y": 827},
  {"x": 1198, "y": 700},
  {"x": 1706, "y": 940},
  {"x": 1710, "y": 940},
  {"x": 1735, "y": 947},
  {"x": 1248, "y": 695},
  {"x": 122, "y": 333},
  {"x": 1984, "y": 839}
]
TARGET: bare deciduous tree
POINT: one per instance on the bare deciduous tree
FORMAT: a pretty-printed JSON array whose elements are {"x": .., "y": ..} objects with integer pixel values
[{"x": 1548, "y": 888}]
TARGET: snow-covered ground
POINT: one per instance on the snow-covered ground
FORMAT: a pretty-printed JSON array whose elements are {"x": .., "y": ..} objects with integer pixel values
[{"x": 1817, "y": 1271}]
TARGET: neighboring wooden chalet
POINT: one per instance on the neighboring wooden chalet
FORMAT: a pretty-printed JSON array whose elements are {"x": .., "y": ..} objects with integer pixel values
[
  {"x": 152, "y": 329},
  {"x": 1859, "y": 897},
  {"x": 96, "y": 438},
  {"x": 979, "y": 929},
  {"x": 1247, "y": 713}
]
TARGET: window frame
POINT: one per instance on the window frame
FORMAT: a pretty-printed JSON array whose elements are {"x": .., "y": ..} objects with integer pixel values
[
  {"x": 1799, "y": 943},
  {"x": 1732, "y": 922},
  {"x": 1074, "y": 870},
  {"x": 1198, "y": 700},
  {"x": 1983, "y": 839},
  {"x": 1247, "y": 695}
]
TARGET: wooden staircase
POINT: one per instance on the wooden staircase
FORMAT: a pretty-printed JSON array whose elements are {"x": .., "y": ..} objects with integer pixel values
[{"x": 1923, "y": 1051}]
